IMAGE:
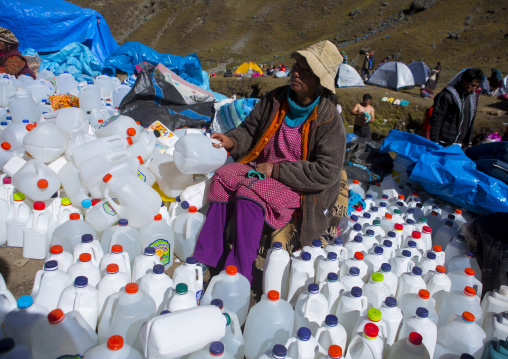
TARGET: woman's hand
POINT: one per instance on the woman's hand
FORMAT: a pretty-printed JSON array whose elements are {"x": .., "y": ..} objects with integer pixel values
[
  {"x": 224, "y": 140},
  {"x": 265, "y": 168}
]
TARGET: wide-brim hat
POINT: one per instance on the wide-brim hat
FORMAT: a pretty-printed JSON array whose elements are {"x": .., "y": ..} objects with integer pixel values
[
  {"x": 324, "y": 60},
  {"x": 7, "y": 36}
]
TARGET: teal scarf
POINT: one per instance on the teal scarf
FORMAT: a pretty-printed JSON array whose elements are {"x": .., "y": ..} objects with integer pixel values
[{"x": 298, "y": 114}]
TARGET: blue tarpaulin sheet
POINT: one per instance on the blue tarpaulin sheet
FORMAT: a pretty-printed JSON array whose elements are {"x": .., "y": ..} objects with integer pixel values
[
  {"x": 407, "y": 144},
  {"x": 451, "y": 175},
  {"x": 50, "y": 25},
  {"x": 127, "y": 56}
]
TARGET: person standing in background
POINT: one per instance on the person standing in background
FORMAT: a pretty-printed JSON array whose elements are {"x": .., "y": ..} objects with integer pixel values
[{"x": 364, "y": 113}]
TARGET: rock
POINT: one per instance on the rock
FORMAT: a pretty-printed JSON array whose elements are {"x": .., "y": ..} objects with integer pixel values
[
  {"x": 468, "y": 20},
  {"x": 397, "y": 56},
  {"x": 385, "y": 4},
  {"x": 454, "y": 35},
  {"x": 419, "y": 5},
  {"x": 355, "y": 12}
]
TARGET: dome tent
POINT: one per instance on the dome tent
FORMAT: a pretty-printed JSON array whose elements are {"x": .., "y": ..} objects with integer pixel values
[
  {"x": 420, "y": 72},
  {"x": 347, "y": 76},
  {"x": 393, "y": 75}
]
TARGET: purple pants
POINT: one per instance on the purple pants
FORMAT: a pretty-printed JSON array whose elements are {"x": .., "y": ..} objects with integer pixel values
[{"x": 211, "y": 243}]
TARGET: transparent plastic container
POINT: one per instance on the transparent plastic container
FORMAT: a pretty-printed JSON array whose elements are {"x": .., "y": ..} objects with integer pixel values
[
  {"x": 77, "y": 139},
  {"x": 88, "y": 245},
  {"x": 332, "y": 289},
  {"x": 276, "y": 270},
  {"x": 351, "y": 307},
  {"x": 457, "y": 302},
  {"x": 66, "y": 83},
  {"x": 107, "y": 85},
  {"x": 304, "y": 345},
  {"x": 456, "y": 248},
  {"x": 64, "y": 259},
  {"x": 170, "y": 180},
  {"x": 410, "y": 347},
  {"x": 126, "y": 236},
  {"x": 82, "y": 298},
  {"x": 64, "y": 210},
  {"x": 97, "y": 147},
  {"x": 332, "y": 333},
  {"x": 366, "y": 344},
  {"x": 144, "y": 146},
  {"x": 40, "y": 90},
  {"x": 36, "y": 180},
  {"x": 324, "y": 266},
  {"x": 69, "y": 234},
  {"x": 116, "y": 256},
  {"x": 376, "y": 290},
  {"x": 143, "y": 263},
  {"x": 301, "y": 275},
  {"x": 461, "y": 279},
  {"x": 186, "y": 228},
  {"x": 123, "y": 126},
  {"x": 181, "y": 299},
  {"x": 16, "y": 220},
  {"x": 157, "y": 284},
  {"x": 402, "y": 263},
  {"x": 74, "y": 189},
  {"x": 192, "y": 275},
  {"x": 85, "y": 267},
  {"x": 22, "y": 106},
  {"x": 352, "y": 279},
  {"x": 49, "y": 284},
  {"x": 115, "y": 348},
  {"x": 38, "y": 231},
  {"x": 112, "y": 282},
  {"x": 438, "y": 284},
  {"x": 6, "y": 90},
  {"x": 195, "y": 153},
  {"x": 18, "y": 323},
  {"x": 311, "y": 309},
  {"x": 468, "y": 260},
  {"x": 90, "y": 98},
  {"x": 119, "y": 94},
  {"x": 159, "y": 235},
  {"x": 410, "y": 282},
  {"x": 412, "y": 301}
]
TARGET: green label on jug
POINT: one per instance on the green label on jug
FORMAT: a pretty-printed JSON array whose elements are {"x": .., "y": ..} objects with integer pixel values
[
  {"x": 108, "y": 121},
  {"x": 162, "y": 250},
  {"x": 70, "y": 356}
]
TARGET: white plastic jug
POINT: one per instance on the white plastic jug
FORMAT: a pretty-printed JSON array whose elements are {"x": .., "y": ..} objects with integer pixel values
[
  {"x": 186, "y": 228},
  {"x": 22, "y": 106},
  {"x": 66, "y": 83},
  {"x": 46, "y": 142},
  {"x": 338, "y": 247},
  {"x": 123, "y": 126},
  {"x": 391, "y": 315},
  {"x": 327, "y": 265},
  {"x": 366, "y": 344},
  {"x": 421, "y": 324},
  {"x": 358, "y": 262},
  {"x": 88, "y": 245},
  {"x": 182, "y": 298},
  {"x": 276, "y": 270},
  {"x": 197, "y": 194},
  {"x": 301, "y": 275},
  {"x": 144, "y": 146},
  {"x": 70, "y": 233},
  {"x": 351, "y": 307},
  {"x": 111, "y": 283},
  {"x": 177, "y": 334},
  {"x": 90, "y": 98},
  {"x": 36, "y": 180},
  {"x": 468, "y": 260},
  {"x": 402, "y": 263},
  {"x": 332, "y": 333},
  {"x": 139, "y": 203},
  {"x": 61, "y": 335},
  {"x": 16, "y": 220},
  {"x": 171, "y": 181},
  {"x": 270, "y": 321},
  {"x": 411, "y": 346},
  {"x": 64, "y": 259},
  {"x": 159, "y": 235},
  {"x": 410, "y": 282},
  {"x": 352, "y": 279},
  {"x": 7, "y": 190},
  {"x": 157, "y": 284},
  {"x": 143, "y": 263},
  {"x": 191, "y": 274},
  {"x": 64, "y": 210},
  {"x": 376, "y": 290},
  {"x": 49, "y": 284},
  {"x": 85, "y": 267},
  {"x": 438, "y": 284},
  {"x": 124, "y": 313},
  {"x": 332, "y": 289},
  {"x": 126, "y": 236},
  {"x": 19, "y": 322},
  {"x": 311, "y": 309},
  {"x": 115, "y": 348},
  {"x": 195, "y": 153},
  {"x": 374, "y": 260},
  {"x": 461, "y": 279},
  {"x": 38, "y": 231},
  {"x": 412, "y": 301},
  {"x": 457, "y": 302},
  {"x": 14, "y": 134},
  {"x": 6, "y": 91},
  {"x": 82, "y": 298},
  {"x": 116, "y": 256},
  {"x": 119, "y": 94},
  {"x": 106, "y": 84},
  {"x": 233, "y": 339},
  {"x": 40, "y": 90},
  {"x": 73, "y": 186},
  {"x": 101, "y": 216},
  {"x": 234, "y": 290},
  {"x": 457, "y": 247},
  {"x": 304, "y": 345},
  {"x": 97, "y": 147},
  {"x": 77, "y": 139}
]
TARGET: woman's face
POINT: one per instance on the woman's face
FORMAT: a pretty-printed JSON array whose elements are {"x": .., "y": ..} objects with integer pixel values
[
  {"x": 303, "y": 80},
  {"x": 3, "y": 46}
]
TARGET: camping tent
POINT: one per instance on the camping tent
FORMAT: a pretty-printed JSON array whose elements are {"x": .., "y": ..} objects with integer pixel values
[
  {"x": 48, "y": 26},
  {"x": 484, "y": 84},
  {"x": 394, "y": 75},
  {"x": 347, "y": 76},
  {"x": 420, "y": 72},
  {"x": 243, "y": 68}
]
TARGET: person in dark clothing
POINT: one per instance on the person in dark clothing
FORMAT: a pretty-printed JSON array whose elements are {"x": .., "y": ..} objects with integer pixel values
[
  {"x": 455, "y": 110},
  {"x": 364, "y": 113},
  {"x": 12, "y": 62},
  {"x": 495, "y": 80},
  {"x": 365, "y": 68},
  {"x": 438, "y": 69}
]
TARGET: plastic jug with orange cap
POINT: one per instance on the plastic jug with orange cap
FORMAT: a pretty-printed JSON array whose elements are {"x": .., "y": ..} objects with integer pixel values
[
  {"x": 461, "y": 279},
  {"x": 411, "y": 301},
  {"x": 457, "y": 302},
  {"x": 85, "y": 266},
  {"x": 88, "y": 245},
  {"x": 64, "y": 259},
  {"x": 38, "y": 232},
  {"x": 16, "y": 220},
  {"x": 46, "y": 142},
  {"x": 438, "y": 284},
  {"x": 159, "y": 235},
  {"x": 186, "y": 228},
  {"x": 117, "y": 256},
  {"x": 144, "y": 146},
  {"x": 123, "y": 126},
  {"x": 36, "y": 180},
  {"x": 126, "y": 236},
  {"x": 69, "y": 233},
  {"x": 112, "y": 282},
  {"x": 115, "y": 348}
]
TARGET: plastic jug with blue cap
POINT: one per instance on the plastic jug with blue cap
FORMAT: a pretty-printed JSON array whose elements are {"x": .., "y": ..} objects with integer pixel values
[
  {"x": 88, "y": 245},
  {"x": 157, "y": 284},
  {"x": 355, "y": 244},
  {"x": 410, "y": 282},
  {"x": 352, "y": 279},
  {"x": 387, "y": 245},
  {"x": 411, "y": 346},
  {"x": 344, "y": 230},
  {"x": 304, "y": 345},
  {"x": 234, "y": 290},
  {"x": 82, "y": 298},
  {"x": 316, "y": 251},
  {"x": 278, "y": 351},
  {"x": 214, "y": 350},
  {"x": 369, "y": 239},
  {"x": 412, "y": 247},
  {"x": 375, "y": 259},
  {"x": 337, "y": 246},
  {"x": 18, "y": 323},
  {"x": 311, "y": 308},
  {"x": 49, "y": 284},
  {"x": 358, "y": 262},
  {"x": 365, "y": 220},
  {"x": 69, "y": 233},
  {"x": 126, "y": 236},
  {"x": 376, "y": 228},
  {"x": 456, "y": 302},
  {"x": 438, "y": 284},
  {"x": 159, "y": 235},
  {"x": 329, "y": 264},
  {"x": 428, "y": 263},
  {"x": 191, "y": 274},
  {"x": 181, "y": 298},
  {"x": 115, "y": 348},
  {"x": 38, "y": 232},
  {"x": 144, "y": 263},
  {"x": 411, "y": 301},
  {"x": 186, "y": 228},
  {"x": 468, "y": 260},
  {"x": 276, "y": 270},
  {"x": 301, "y": 275},
  {"x": 64, "y": 259},
  {"x": 332, "y": 289},
  {"x": 376, "y": 290},
  {"x": 9, "y": 349},
  {"x": 332, "y": 333},
  {"x": 112, "y": 282},
  {"x": 391, "y": 315},
  {"x": 456, "y": 248},
  {"x": 402, "y": 263},
  {"x": 117, "y": 256},
  {"x": 233, "y": 340},
  {"x": 85, "y": 266},
  {"x": 352, "y": 305},
  {"x": 22, "y": 106}
]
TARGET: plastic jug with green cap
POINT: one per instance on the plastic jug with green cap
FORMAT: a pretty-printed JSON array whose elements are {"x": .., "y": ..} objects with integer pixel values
[
  {"x": 64, "y": 209},
  {"x": 182, "y": 299},
  {"x": 376, "y": 290}
]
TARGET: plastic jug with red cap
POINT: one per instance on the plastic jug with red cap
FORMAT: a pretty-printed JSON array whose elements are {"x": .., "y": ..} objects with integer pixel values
[
  {"x": 101, "y": 216},
  {"x": 276, "y": 270},
  {"x": 117, "y": 256},
  {"x": 357, "y": 187},
  {"x": 83, "y": 298},
  {"x": 366, "y": 344},
  {"x": 126, "y": 236},
  {"x": 22, "y": 106},
  {"x": 186, "y": 228},
  {"x": 352, "y": 305},
  {"x": 411, "y": 346},
  {"x": 144, "y": 146},
  {"x": 98, "y": 147},
  {"x": 19, "y": 322},
  {"x": 234, "y": 290},
  {"x": 195, "y": 153},
  {"x": 87, "y": 267},
  {"x": 270, "y": 321},
  {"x": 374, "y": 316},
  {"x": 461, "y": 279},
  {"x": 144, "y": 263},
  {"x": 123, "y": 126},
  {"x": 88, "y": 245},
  {"x": 75, "y": 190},
  {"x": 159, "y": 235},
  {"x": 62, "y": 335},
  {"x": 311, "y": 309},
  {"x": 49, "y": 284},
  {"x": 138, "y": 202},
  {"x": 358, "y": 262},
  {"x": 64, "y": 211},
  {"x": 471, "y": 339},
  {"x": 301, "y": 275},
  {"x": 64, "y": 259},
  {"x": 115, "y": 348},
  {"x": 191, "y": 274},
  {"x": 69, "y": 233},
  {"x": 38, "y": 231},
  {"x": 46, "y": 142},
  {"x": 112, "y": 282},
  {"x": 456, "y": 302},
  {"x": 124, "y": 313},
  {"x": 158, "y": 285}
]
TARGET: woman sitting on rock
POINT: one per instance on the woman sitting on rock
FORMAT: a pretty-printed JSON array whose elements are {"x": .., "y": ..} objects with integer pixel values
[{"x": 11, "y": 60}]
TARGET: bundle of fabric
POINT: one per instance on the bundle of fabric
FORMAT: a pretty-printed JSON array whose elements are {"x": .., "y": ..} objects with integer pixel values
[
  {"x": 364, "y": 162},
  {"x": 230, "y": 113}
]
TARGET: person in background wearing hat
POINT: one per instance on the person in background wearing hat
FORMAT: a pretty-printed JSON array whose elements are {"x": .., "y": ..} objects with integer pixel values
[
  {"x": 344, "y": 57},
  {"x": 11, "y": 60},
  {"x": 289, "y": 153},
  {"x": 364, "y": 113}
]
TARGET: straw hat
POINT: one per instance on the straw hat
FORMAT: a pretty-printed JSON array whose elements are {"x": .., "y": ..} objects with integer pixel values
[
  {"x": 324, "y": 60},
  {"x": 8, "y": 36}
]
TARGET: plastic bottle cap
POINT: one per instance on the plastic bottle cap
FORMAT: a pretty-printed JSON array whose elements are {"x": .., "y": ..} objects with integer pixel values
[
  {"x": 51, "y": 265},
  {"x": 378, "y": 250},
  {"x": 424, "y": 294},
  {"x": 157, "y": 217},
  {"x": 460, "y": 238},
  {"x": 468, "y": 317},
  {"x": 406, "y": 253},
  {"x": 440, "y": 269},
  {"x": 316, "y": 243},
  {"x": 313, "y": 288},
  {"x": 388, "y": 215},
  {"x": 387, "y": 243},
  {"x": 356, "y": 292},
  {"x": 306, "y": 256},
  {"x": 42, "y": 184},
  {"x": 437, "y": 248},
  {"x": 219, "y": 303},
  {"x": 411, "y": 244},
  {"x": 123, "y": 222},
  {"x": 354, "y": 271},
  {"x": 357, "y": 227},
  {"x": 181, "y": 288},
  {"x": 24, "y": 302},
  {"x": 334, "y": 351},
  {"x": 279, "y": 351},
  {"x": 304, "y": 334},
  {"x": 6, "y": 146},
  {"x": 131, "y": 288},
  {"x": 86, "y": 203},
  {"x": 56, "y": 316},
  {"x": 332, "y": 277},
  {"x": 39, "y": 206},
  {"x": 116, "y": 248},
  {"x": 469, "y": 291},
  {"x": 416, "y": 235},
  {"x": 359, "y": 256},
  {"x": 80, "y": 281},
  {"x": 216, "y": 348},
  {"x": 129, "y": 141},
  {"x": 370, "y": 330},
  {"x": 469, "y": 254},
  {"x": 449, "y": 224},
  {"x": 377, "y": 277},
  {"x": 56, "y": 249},
  {"x": 85, "y": 257},
  {"x": 140, "y": 159},
  {"x": 87, "y": 238},
  {"x": 354, "y": 217},
  {"x": 30, "y": 127},
  {"x": 6, "y": 180},
  {"x": 416, "y": 270},
  {"x": 469, "y": 271},
  {"x": 431, "y": 255},
  {"x": 391, "y": 234},
  {"x": 277, "y": 245},
  {"x": 374, "y": 314},
  {"x": 466, "y": 356},
  {"x": 398, "y": 227},
  {"x": 74, "y": 216},
  {"x": 338, "y": 241},
  {"x": 369, "y": 232},
  {"x": 401, "y": 196},
  {"x": 458, "y": 211},
  {"x": 397, "y": 211},
  {"x": 386, "y": 267},
  {"x": 332, "y": 256},
  {"x": 149, "y": 251},
  {"x": 391, "y": 302},
  {"x": 131, "y": 131},
  {"x": 115, "y": 342},
  {"x": 65, "y": 201},
  {"x": 95, "y": 201},
  {"x": 107, "y": 177},
  {"x": 231, "y": 270},
  {"x": 356, "y": 181},
  {"x": 415, "y": 338},
  {"x": 358, "y": 239},
  {"x": 112, "y": 268},
  {"x": 191, "y": 260},
  {"x": 366, "y": 215},
  {"x": 273, "y": 295}
]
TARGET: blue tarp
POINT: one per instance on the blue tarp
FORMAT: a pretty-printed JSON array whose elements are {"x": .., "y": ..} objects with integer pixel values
[
  {"x": 407, "y": 144},
  {"x": 451, "y": 175},
  {"x": 50, "y": 25},
  {"x": 127, "y": 56}
]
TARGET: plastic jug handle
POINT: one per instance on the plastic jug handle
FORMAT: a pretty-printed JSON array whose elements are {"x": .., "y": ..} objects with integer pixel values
[
  {"x": 187, "y": 228},
  {"x": 290, "y": 341},
  {"x": 8, "y": 295},
  {"x": 37, "y": 283},
  {"x": 77, "y": 301},
  {"x": 147, "y": 331},
  {"x": 127, "y": 262},
  {"x": 364, "y": 303},
  {"x": 95, "y": 259},
  {"x": 199, "y": 274},
  {"x": 323, "y": 350},
  {"x": 110, "y": 200},
  {"x": 318, "y": 333},
  {"x": 207, "y": 297}
]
